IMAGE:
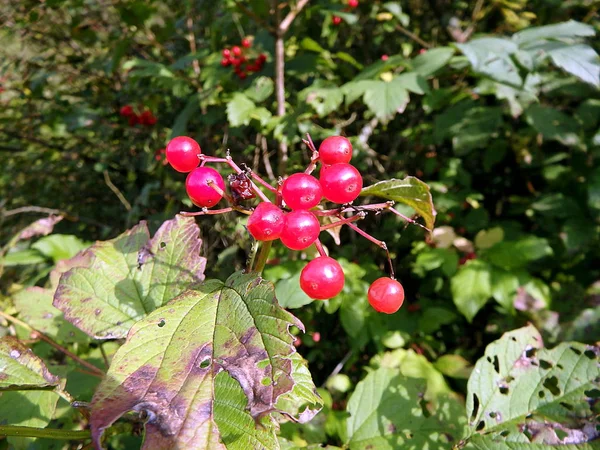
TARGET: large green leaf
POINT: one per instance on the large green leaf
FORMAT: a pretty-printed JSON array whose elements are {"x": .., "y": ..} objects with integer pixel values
[
  {"x": 21, "y": 369},
  {"x": 130, "y": 276},
  {"x": 579, "y": 60},
  {"x": 492, "y": 57},
  {"x": 411, "y": 191},
  {"x": 386, "y": 413},
  {"x": 432, "y": 60},
  {"x": 471, "y": 287},
  {"x": 570, "y": 29},
  {"x": 172, "y": 365},
  {"x": 553, "y": 124},
  {"x": 522, "y": 392}
]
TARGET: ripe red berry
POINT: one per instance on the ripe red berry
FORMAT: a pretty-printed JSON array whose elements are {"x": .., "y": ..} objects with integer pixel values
[
  {"x": 262, "y": 58},
  {"x": 236, "y": 50},
  {"x": 341, "y": 183},
  {"x": 301, "y": 230},
  {"x": 236, "y": 62},
  {"x": 334, "y": 150},
  {"x": 246, "y": 43},
  {"x": 336, "y": 20},
  {"x": 225, "y": 62},
  {"x": 126, "y": 111},
  {"x": 242, "y": 75},
  {"x": 133, "y": 120},
  {"x": 147, "y": 118},
  {"x": 266, "y": 222},
  {"x": 322, "y": 278},
  {"x": 198, "y": 188},
  {"x": 384, "y": 57},
  {"x": 386, "y": 295},
  {"x": 301, "y": 191},
  {"x": 182, "y": 153},
  {"x": 226, "y": 53},
  {"x": 353, "y": 3}
]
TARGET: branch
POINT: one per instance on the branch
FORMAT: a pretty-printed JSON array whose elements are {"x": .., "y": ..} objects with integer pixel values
[
  {"x": 116, "y": 191},
  {"x": 254, "y": 17},
  {"x": 285, "y": 23},
  {"x": 413, "y": 36},
  {"x": 47, "y": 433}
]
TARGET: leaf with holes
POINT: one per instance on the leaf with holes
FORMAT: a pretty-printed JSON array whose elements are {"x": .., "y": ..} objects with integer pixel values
[
  {"x": 521, "y": 392},
  {"x": 20, "y": 369},
  {"x": 183, "y": 364},
  {"x": 130, "y": 276},
  {"x": 387, "y": 412},
  {"x": 411, "y": 191}
]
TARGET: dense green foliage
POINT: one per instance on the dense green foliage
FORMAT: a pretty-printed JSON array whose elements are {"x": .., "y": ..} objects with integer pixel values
[{"x": 495, "y": 105}]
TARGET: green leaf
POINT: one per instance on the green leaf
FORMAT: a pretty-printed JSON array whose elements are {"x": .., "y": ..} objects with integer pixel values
[
  {"x": 239, "y": 110},
  {"x": 564, "y": 30},
  {"x": 289, "y": 293},
  {"x": 311, "y": 45},
  {"x": 386, "y": 99},
  {"x": 471, "y": 288},
  {"x": 59, "y": 246},
  {"x": 492, "y": 57},
  {"x": 411, "y": 191},
  {"x": 396, "y": 9},
  {"x": 179, "y": 127},
  {"x": 413, "y": 82},
  {"x": 454, "y": 366},
  {"x": 385, "y": 413},
  {"x": 520, "y": 385},
  {"x": 553, "y": 124},
  {"x": 21, "y": 369},
  {"x": 580, "y": 60},
  {"x": 260, "y": 89},
  {"x": 23, "y": 258},
  {"x": 324, "y": 100},
  {"x": 188, "y": 363},
  {"x": 130, "y": 276},
  {"x": 34, "y": 306},
  {"x": 510, "y": 255},
  {"x": 432, "y": 60}
]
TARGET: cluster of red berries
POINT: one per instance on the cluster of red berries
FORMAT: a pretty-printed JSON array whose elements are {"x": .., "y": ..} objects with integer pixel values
[
  {"x": 293, "y": 217},
  {"x": 352, "y": 4},
  {"x": 143, "y": 118},
  {"x": 236, "y": 58}
]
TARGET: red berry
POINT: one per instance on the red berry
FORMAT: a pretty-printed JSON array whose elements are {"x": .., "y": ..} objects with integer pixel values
[
  {"x": 134, "y": 120},
  {"x": 266, "y": 222},
  {"x": 126, "y": 111},
  {"x": 147, "y": 118},
  {"x": 226, "y": 53},
  {"x": 422, "y": 51},
  {"x": 336, "y": 20},
  {"x": 246, "y": 43},
  {"x": 242, "y": 75},
  {"x": 225, "y": 62},
  {"x": 322, "y": 278},
  {"x": 341, "y": 183},
  {"x": 316, "y": 336},
  {"x": 182, "y": 153},
  {"x": 235, "y": 62},
  {"x": 262, "y": 58},
  {"x": 353, "y": 3},
  {"x": 386, "y": 295},
  {"x": 236, "y": 50},
  {"x": 301, "y": 191},
  {"x": 334, "y": 150},
  {"x": 198, "y": 188},
  {"x": 384, "y": 57},
  {"x": 301, "y": 230}
]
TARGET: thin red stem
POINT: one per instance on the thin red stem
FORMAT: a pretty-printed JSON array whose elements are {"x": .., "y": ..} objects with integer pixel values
[
  {"x": 206, "y": 212},
  {"x": 320, "y": 248},
  {"x": 377, "y": 242},
  {"x": 263, "y": 182},
  {"x": 344, "y": 221}
]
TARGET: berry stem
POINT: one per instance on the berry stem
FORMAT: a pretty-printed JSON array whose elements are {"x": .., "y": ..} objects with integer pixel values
[
  {"x": 344, "y": 221},
  {"x": 377, "y": 242},
  {"x": 315, "y": 154},
  {"x": 408, "y": 219},
  {"x": 212, "y": 212},
  {"x": 255, "y": 188},
  {"x": 263, "y": 256},
  {"x": 320, "y": 248},
  {"x": 263, "y": 182}
]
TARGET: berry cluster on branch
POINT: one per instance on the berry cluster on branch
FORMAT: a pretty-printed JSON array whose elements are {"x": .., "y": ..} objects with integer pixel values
[
  {"x": 292, "y": 213},
  {"x": 239, "y": 58}
]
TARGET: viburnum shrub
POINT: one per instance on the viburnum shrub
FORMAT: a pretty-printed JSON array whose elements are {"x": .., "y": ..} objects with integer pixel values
[{"x": 291, "y": 210}]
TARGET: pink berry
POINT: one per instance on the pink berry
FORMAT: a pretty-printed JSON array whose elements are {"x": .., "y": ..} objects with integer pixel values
[
  {"x": 384, "y": 57},
  {"x": 334, "y": 150},
  {"x": 236, "y": 50},
  {"x": 341, "y": 182},
  {"x": 336, "y": 20},
  {"x": 246, "y": 43},
  {"x": 301, "y": 230},
  {"x": 226, "y": 53},
  {"x": 266, "y": 222},
  {"x": 301, "y": 191},
  {"x": 183, "y": 153},
  {"x": 353, "y": 3},
  {"x": 198, "y": 187},
  {"x": 225, "y": 62},
  {"x": 322, "y": 278},
  {"x": 386, "y": 295}
]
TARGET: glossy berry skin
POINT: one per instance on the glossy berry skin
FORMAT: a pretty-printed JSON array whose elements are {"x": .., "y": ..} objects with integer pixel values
[
  {"x": 182, "y": 154},
  {"x": 322, "y": 278},
  {"x": 386, "y": 295},
  {"x": 334, "y": 150},
  {"x": 246, "y": 43},
  {"x": 341, "y": 183},
  {"x": 226, "y": 53},
  {"x": 336, "y": 20},
  {"x": 198, "y": 189},
  {"x": 384, "y": 57},
  {"x": 301, "y": 191},
  {"x": 266, "y": 222},
  {"x": 301, "y": 230},
  {"x": 236, "y": 50},
  {"x": 225, "y": 62},
  {"x": 353, "y": 3}
]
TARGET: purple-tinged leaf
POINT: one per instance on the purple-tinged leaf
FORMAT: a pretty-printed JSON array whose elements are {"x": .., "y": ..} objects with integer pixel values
[{"x": 21, "y": 369}]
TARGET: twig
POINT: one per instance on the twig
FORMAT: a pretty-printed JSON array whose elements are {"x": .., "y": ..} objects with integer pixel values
[
  {"x": 193, "y": 48},
  {"x": 377, "y": 242},
  {"x": 254, "y": 17},
  {"x": 116, "y": 191},
  {"x": 285, "y": 23},
  {"x": 35, "y": 333},
  {"x": 31, "y": 209},
  {"x": 280, "y": 90},
  {"x": 46, "y": 433},
  {"x": 338, "y": 368},
  {"x": 413, "y": 36},
  {"x": 266, "y": 161}
]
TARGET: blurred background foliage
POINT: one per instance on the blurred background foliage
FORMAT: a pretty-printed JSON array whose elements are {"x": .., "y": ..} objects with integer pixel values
[{"x": 494, "y": 104}]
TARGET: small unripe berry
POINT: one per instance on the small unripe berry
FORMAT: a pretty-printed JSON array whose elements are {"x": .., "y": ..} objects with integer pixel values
[
  {"x": 236, "y": 50},
  {"x": 334, "y": 150},
  {"x": 322, "y": 278},
  {"x": 198, "y": 188},
  {"x": 183, "y": 153},
  {"x": 266, "y": 222},
  {"x": 301, "y": 230},
  {"x": 386, "y": 295},
  {"x": 246, "y": 43},
  {"x": 341, "y": 183},
  {"x": 301, "y": 191}
]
